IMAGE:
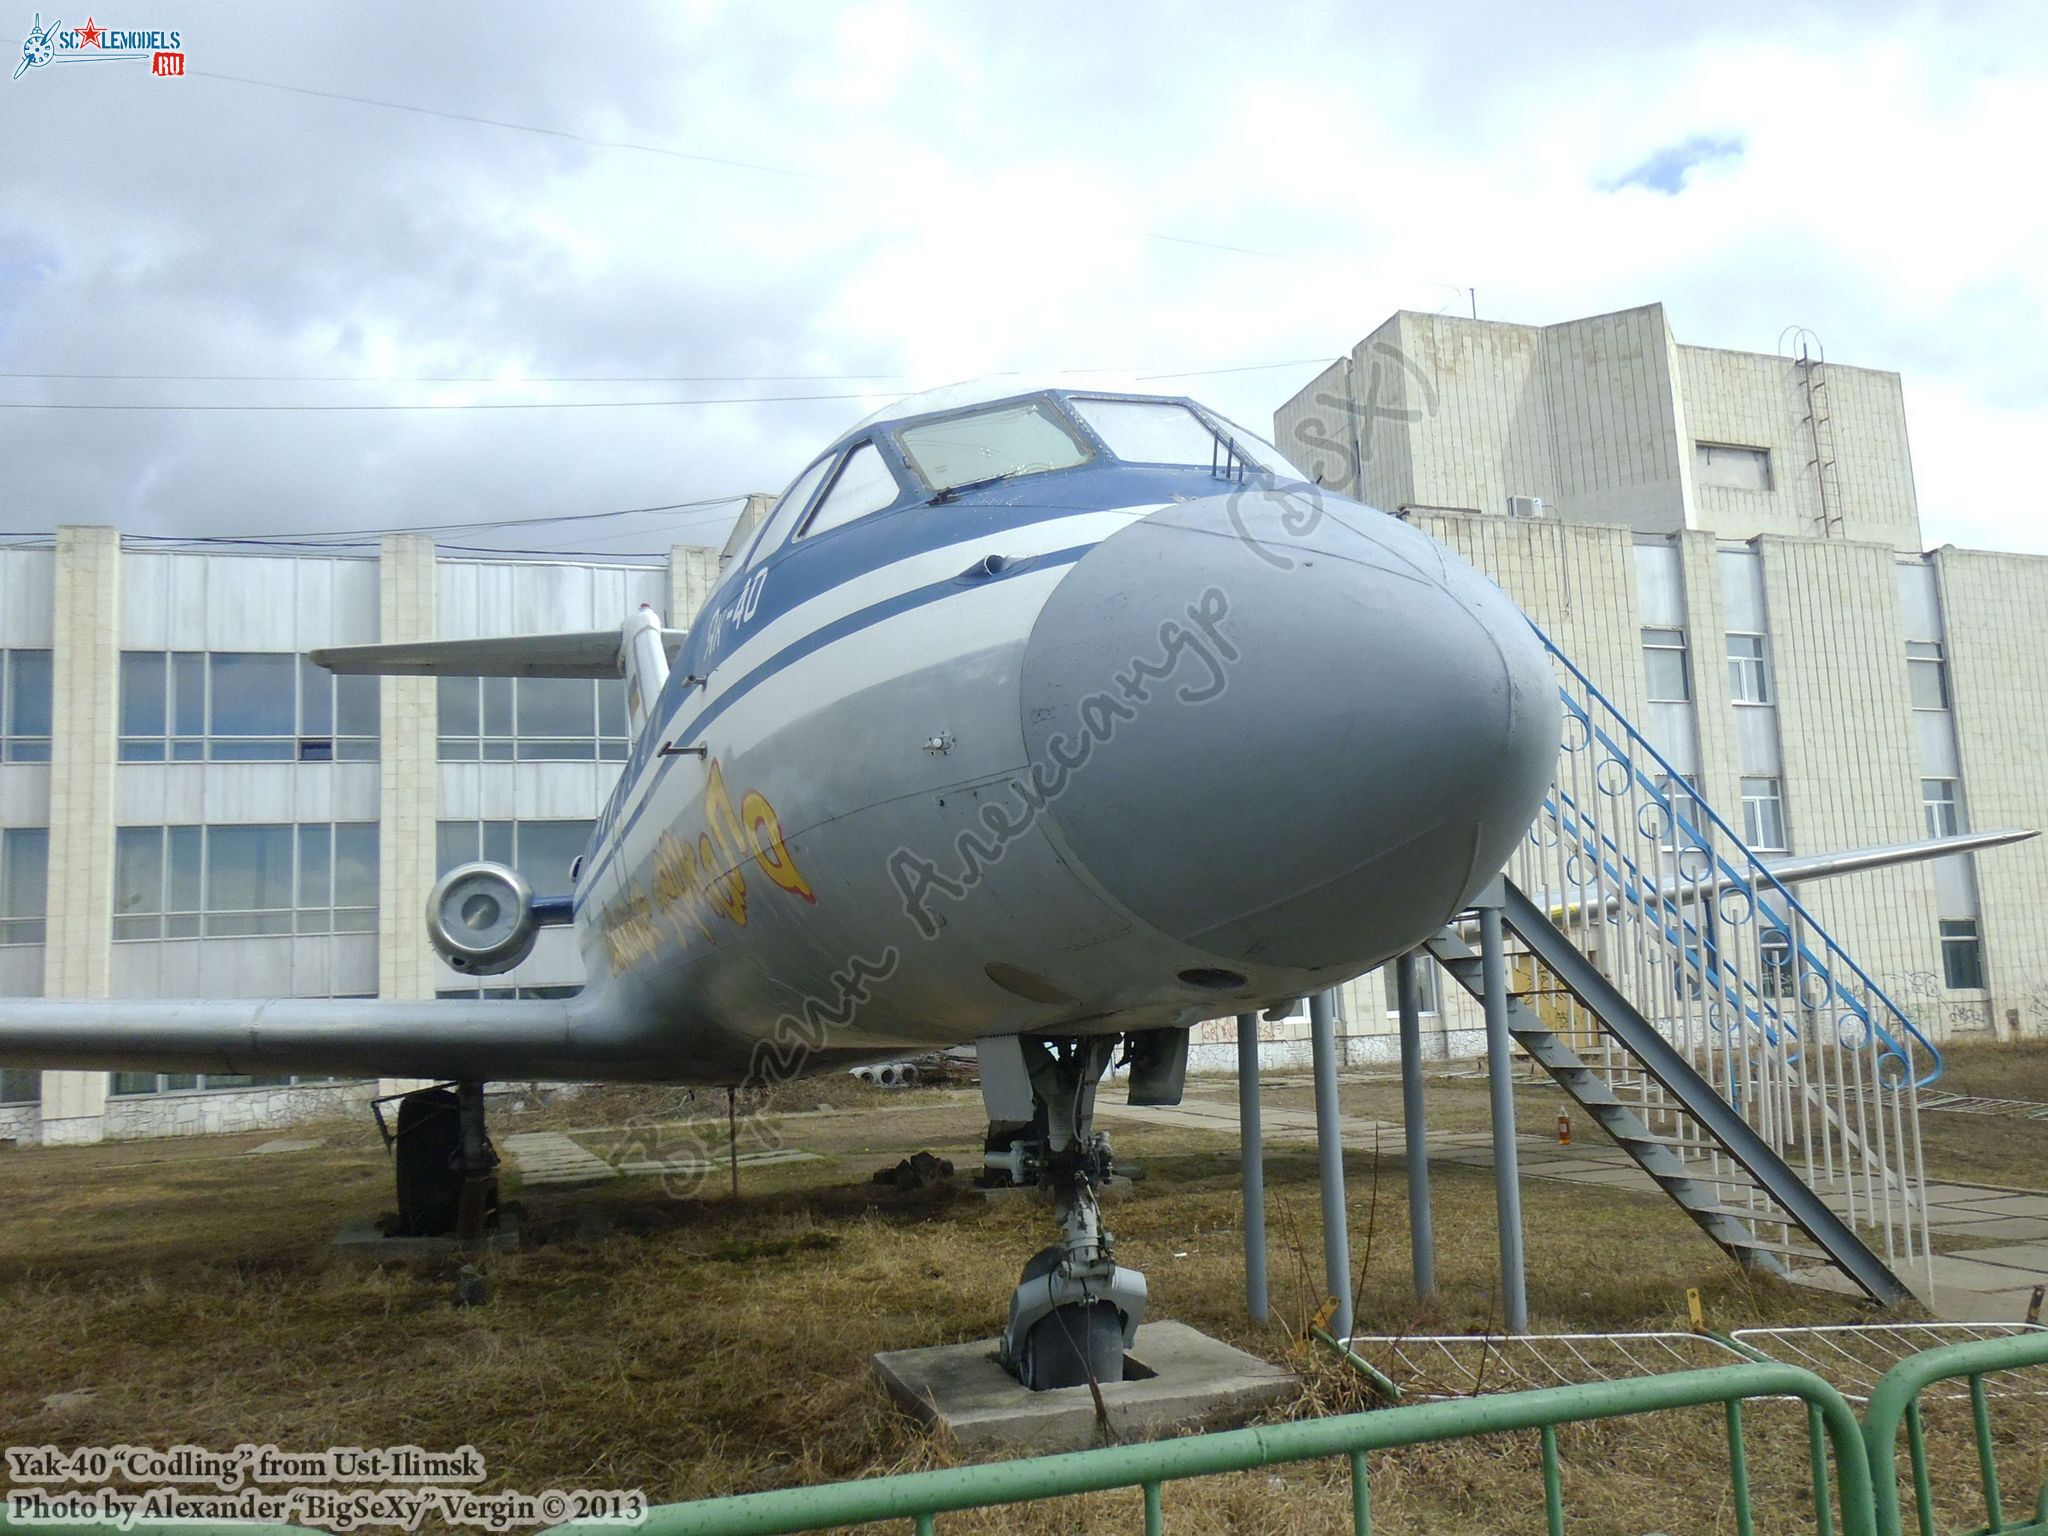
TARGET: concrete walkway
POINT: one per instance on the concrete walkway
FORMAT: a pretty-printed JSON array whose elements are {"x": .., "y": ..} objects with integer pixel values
[{"x": 1992, "y": 1281}]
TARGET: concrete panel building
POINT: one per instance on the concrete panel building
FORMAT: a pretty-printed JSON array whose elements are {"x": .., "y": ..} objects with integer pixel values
[{"x": 188, "y": 808}]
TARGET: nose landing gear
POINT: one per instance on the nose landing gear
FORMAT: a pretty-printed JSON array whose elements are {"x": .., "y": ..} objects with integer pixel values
[{"x": 1076, "y": 1310}]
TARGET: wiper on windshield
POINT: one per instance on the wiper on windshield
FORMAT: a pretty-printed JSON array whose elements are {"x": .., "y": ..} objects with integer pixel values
[{"x": 951, "y": 491}]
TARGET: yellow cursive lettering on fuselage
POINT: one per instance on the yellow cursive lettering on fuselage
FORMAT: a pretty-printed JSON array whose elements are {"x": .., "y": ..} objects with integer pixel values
[{"x": 697, "y": 881}]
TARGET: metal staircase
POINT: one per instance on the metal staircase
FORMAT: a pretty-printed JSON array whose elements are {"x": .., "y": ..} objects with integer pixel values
[{"x": 1706, "y": 1021}]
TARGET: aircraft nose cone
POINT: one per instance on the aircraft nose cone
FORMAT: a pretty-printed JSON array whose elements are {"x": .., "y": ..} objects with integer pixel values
[{"x": 1285, "y": 728}]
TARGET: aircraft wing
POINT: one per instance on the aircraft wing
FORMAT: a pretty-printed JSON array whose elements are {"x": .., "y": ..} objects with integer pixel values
[
  {"x": 581, "y": 653},
  {"x": 447, "y": 1038}
]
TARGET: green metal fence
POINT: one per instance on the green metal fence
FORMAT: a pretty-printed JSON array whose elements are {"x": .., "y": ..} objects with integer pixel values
[
  {"x": 1896, "y": 1404},
  {"x": 1145, "y": 1469},
  {"x": 1863, "y": 1489}
]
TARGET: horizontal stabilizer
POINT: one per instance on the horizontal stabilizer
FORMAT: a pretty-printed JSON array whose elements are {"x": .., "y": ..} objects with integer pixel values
[
  {"x": 1823, "y": 866},
  {"x": 1795, "y": 870},
  {"x": 583, "y": 653},
  {"x": 564, "y": 1040}
]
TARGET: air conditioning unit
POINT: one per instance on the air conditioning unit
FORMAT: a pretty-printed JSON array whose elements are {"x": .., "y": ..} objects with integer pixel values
[{"x": 1526, "y": 506}]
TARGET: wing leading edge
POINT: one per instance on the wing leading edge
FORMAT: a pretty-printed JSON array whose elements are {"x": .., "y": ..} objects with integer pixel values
[{"x": 563, "y": 1039}]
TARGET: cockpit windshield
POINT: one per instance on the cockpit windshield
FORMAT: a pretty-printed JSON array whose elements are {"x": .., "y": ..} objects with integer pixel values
[
  {"x": 1150, "y": 431},
  {"x": 1024, "y": 438},
  {"x": 1167, "y": 432}
]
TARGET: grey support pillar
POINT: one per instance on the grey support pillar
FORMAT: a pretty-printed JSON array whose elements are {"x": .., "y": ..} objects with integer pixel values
[
  {"x": 1322, "y": 1026},
  {"x": 1252, "y": 1165},
  {"x": 1507, "y": 1182},
  {"x": 1421, "y": 1231}
]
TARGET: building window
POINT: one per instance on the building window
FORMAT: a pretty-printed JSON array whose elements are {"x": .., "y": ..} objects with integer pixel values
[
  {"x": 1731, "y": 466},
  {"x": 24, "y": 706},
  {"x": 234, "y": 881},
  {"x": 1938, "y": 801},
  {"x": 130, "y": 1084},
  {"x": 1927, "y": 674},
  {"x": 1681, "y": 796},
  {"x": 1664, "y": 667},
  {"x": 24, "y": 884},
  {"x": 1763, "y": 815},
  {"x": 1749, "y": 673},
  {"x": 19, "y": 1087},
  {"x": 1775, "y": 951},
  {"x": 243, "y": 707},
  {"x": 1962, "y": 954},
  {"x": 543, "y": 851},
  {"x": 1428, "y": 986},
  {"x": 532, "y": 719}
]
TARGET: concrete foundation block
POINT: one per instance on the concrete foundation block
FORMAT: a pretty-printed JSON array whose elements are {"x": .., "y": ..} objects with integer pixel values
[{"x": 1177, "y": 1381}]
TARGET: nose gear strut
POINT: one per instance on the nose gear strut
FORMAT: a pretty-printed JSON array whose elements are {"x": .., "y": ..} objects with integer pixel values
[{"x": 1076, "y": 1310}]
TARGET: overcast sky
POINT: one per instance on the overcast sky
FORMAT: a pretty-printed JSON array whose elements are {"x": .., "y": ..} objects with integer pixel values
[{"x": 924, "y": 192}]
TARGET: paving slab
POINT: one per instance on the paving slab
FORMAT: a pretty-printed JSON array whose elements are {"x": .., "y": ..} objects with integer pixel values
[
  {"x": 1954, "y": 1272},
  {"x": 549, "y": 1157},
  {"x": 1958, "y": 1306},
  {"x": 2002, "y": 1229},
  {"x": 2031, "y": 1257},
  {"x": 2011, "y": 1205},
  {"x": 1947, "y": 1218},
  {"x": 1954, "y": 1194},
  {"x": 691, "y": 1168},
  {"x": 286, "y": 1144},
  {"x": 1192, "y": 1382},
  {"x": 1619, "y": 1178}
]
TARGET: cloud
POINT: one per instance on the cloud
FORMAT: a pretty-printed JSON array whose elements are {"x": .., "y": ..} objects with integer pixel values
[
  {"x": 981, "y": 189},
  {"x": 1666, "y": 169}
]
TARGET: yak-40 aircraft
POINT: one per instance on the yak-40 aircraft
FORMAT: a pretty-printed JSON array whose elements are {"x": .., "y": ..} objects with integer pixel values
[{"x": 1046, "y": 719}]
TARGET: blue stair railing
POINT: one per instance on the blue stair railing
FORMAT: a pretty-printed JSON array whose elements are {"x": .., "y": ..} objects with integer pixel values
[{"x": 1732, "y": 968}]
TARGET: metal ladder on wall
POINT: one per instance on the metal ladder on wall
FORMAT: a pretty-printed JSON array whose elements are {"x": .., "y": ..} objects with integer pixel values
[
  {"x": 1819, "y": 422},
  {"x": 1705, "y": 1020}
]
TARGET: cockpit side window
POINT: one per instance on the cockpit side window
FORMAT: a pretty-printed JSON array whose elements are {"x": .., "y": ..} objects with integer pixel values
[
  {"x": 1024, "y": 438},
  {"x": 789, "y": 508},
  {"x": 863, "y": 485},
  {"x": 1151, "y": 431}
]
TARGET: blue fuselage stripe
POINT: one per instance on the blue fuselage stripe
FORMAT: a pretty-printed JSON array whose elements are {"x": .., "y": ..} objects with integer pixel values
[{"x": 826, "y": 634}]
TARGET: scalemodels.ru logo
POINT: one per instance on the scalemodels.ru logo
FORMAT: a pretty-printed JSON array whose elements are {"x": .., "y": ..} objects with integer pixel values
[{"x": 93, "y": 43}]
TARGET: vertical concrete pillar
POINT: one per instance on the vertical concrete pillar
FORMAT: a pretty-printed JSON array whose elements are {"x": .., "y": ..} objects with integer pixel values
[
  {"x": 85, "y": 694},
  {"x": 692, "y": 573},
  {"x": 408, "y": 781}
]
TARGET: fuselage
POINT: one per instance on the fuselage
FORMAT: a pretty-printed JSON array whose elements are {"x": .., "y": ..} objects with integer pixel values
[{"x": 1144, "y": 732}]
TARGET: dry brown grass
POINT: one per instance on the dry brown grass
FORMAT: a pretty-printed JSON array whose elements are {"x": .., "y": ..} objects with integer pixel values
[{"x": 703, "y": 1346}]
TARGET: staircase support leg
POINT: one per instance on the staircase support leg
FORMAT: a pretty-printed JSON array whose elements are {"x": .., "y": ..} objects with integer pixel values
[
  {"x": 1507, "y": 1180},
  {"x": 1252, "y": 1166},
  {"x": 1322, "y": 1028},
  {"x": 1421, "y": 1231}
]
